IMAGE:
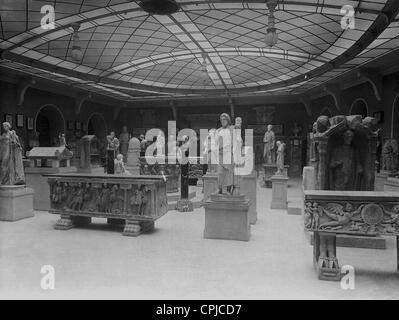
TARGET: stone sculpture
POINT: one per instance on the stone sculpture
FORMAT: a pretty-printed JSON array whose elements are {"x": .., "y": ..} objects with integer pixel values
[
  {"x": 269, "y": 145},
  {"x": 11, "y": 168},
  {"x": 280, "y": 157},
  {"x": 119, "y": 165},
  {"x": 225, "y": 165}
]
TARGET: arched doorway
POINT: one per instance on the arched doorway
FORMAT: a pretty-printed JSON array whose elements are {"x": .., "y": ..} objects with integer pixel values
[
  {"x": 359, "y": 107},
  {"x": 395, "y": 119},
  {"x": 49, "y": 123}
]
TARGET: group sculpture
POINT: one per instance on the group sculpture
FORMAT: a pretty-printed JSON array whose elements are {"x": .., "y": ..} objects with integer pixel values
[{"x": 344, "y": 165}]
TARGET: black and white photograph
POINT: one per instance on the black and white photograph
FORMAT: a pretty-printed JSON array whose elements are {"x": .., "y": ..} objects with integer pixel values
[{"x": 199, "y": 150}]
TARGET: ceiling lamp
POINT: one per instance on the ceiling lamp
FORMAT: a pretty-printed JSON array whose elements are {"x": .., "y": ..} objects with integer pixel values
[
  {"x": 76, "y": 53},
  {"x": 204, "y": 68},
  {"x": 162, "y": 7},
  {"x": 271, "y": 38}
]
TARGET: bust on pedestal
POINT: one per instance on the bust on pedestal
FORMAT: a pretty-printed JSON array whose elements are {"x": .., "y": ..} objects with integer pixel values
[{"x": 16, "y": 201}]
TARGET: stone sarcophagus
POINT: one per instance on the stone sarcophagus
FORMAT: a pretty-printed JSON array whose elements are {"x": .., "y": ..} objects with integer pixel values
[
  {"x": 170, "y": 171},
  {"x": 359, "y": 213},
  {"x": 135, "y": 201}
]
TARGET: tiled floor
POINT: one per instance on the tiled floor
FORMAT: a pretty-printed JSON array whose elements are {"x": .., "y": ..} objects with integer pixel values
[{"x": 175, "y": 262}]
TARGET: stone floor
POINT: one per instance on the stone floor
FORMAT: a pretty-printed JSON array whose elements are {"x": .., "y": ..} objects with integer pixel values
[{"x": 175, "y": 262}]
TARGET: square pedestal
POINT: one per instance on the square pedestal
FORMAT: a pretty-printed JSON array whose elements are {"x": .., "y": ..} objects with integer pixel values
[
  {"x": 35, "y": 180},
  {"x": 248, "y": 188},
  {"x": 227, "y": 217},
  {"x": 308, "y": 178},
  {"x": 210, "y": 185},
  {"x": 279, "y": 192},
  {"x": 16, "y": 203}
]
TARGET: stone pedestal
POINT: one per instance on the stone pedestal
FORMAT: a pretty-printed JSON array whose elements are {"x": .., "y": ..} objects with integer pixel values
[
  {"x": 36, "y": 181},
  {"x": 308, "y": 178},
  {"x": 248, "y": 189},
  {"x": 279, "y": 192},
  {"x": 16, "y": 203},
  {"x": 227, "y": 217},
  {"x": 381, "y": 178},
  {"x": 210, "y": 185}
]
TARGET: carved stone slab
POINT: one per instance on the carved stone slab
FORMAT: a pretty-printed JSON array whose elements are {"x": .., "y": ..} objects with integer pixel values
[
  {"x": 138, "y": 200},
  {"x": 352, "y": 212}
]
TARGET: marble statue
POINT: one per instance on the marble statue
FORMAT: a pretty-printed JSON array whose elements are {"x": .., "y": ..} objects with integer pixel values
[
  {"x": 124, "y": 139},
  {"x": 225, "y": 165},
  {"x": 119, "y": 165},
  {"x": 345, "y": 167},
  {"x": 280, "y": 157},
  {"x": 11, "y": 168},
  {"x": 390, "y": 156},
  {"x": 269, "y": 142}
]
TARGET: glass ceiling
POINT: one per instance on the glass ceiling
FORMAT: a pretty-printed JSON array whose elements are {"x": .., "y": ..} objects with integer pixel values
[{"x": 129, "y": 54}]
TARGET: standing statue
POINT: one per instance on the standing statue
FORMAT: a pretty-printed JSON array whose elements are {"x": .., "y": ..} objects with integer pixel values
[
  {"x": 11, "y": 168},
  {"x": 225, "y": 165},
  {"x": 280, "y": 157},
  {"x": 124, "y": 139},
  {"x": 346, "y": 170},
  {"x": 269, "y": 141}
]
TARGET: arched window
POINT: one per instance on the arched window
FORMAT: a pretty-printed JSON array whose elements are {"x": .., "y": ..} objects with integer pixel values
[
  {"x": 49, "y": 122},
  {"x": 359, "y": 107}
]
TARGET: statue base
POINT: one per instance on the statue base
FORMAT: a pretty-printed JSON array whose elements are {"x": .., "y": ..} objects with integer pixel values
[
  {"x": 210, "y": 185},
  {"x": 279, "y": 192},
  {"x": 16, "y": 203},
  {"x": 227, "y": 217}
]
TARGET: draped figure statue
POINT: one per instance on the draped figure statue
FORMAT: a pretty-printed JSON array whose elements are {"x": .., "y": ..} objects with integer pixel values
[{"x": 11, "y": 168}]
